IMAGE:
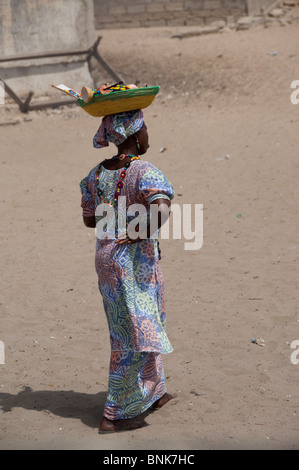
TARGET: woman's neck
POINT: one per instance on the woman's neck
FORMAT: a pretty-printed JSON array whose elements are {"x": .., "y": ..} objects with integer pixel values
[
  {"x": 115, "y": 163},
  {"x": 129, "y": 147}
]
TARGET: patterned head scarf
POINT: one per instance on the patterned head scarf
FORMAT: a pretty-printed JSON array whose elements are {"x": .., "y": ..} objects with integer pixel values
[{"x": 116, "y": 128}]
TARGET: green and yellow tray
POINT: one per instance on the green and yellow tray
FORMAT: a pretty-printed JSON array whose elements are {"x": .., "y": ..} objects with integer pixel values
[
  {"x": 112, "y": 100},
  {"x": 119, "y": 101}
]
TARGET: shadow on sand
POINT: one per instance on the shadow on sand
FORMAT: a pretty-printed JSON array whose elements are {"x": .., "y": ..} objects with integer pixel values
[{"x": 64, "y": 403}]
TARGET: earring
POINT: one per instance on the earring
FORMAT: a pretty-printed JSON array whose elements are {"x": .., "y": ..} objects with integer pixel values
[{"x": 137, "y": 141}]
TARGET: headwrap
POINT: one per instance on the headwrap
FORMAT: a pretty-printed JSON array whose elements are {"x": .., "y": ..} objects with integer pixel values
[{"x": 116, "y": 128}]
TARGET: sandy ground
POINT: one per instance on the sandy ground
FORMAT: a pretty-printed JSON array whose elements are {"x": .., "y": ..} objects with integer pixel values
[{"x": 222, "y": 95}]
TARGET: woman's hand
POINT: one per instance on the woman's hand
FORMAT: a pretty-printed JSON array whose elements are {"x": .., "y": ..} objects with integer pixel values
[{"x": 127, "y": 240}]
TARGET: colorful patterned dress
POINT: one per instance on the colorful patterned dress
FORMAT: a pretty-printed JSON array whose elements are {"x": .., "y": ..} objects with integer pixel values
[{"x": 132, "y": 287}]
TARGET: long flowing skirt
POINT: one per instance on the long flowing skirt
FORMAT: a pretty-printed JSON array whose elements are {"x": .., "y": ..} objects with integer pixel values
[
  {"x": 136, "y": 381},
  {"x": 132, "y": 286}
]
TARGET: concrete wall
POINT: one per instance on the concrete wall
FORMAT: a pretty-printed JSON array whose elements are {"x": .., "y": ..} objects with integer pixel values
[
  {"x": 258, "y": 7},
  {"x": 135, "y": 13},
  {"x": 36, "y": 26},
  {"x": 42, "y": 25}
]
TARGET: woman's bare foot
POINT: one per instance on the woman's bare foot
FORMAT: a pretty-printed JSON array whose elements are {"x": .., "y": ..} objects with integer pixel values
[
  {"x": 107, "y": 425},
  {"x": 162, "y": 401}
]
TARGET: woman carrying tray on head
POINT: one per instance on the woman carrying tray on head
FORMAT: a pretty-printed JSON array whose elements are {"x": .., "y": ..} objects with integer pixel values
[{"x": 129, "y": 273}]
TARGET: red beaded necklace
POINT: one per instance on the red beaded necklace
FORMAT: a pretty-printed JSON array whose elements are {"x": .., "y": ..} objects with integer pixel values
[{"x": 120, "y": 182}]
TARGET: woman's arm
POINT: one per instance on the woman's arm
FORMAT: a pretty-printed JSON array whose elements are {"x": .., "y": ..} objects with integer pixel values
[
  {"x": 163, "y": 215},
  {"x": 90, "y": 222}
]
